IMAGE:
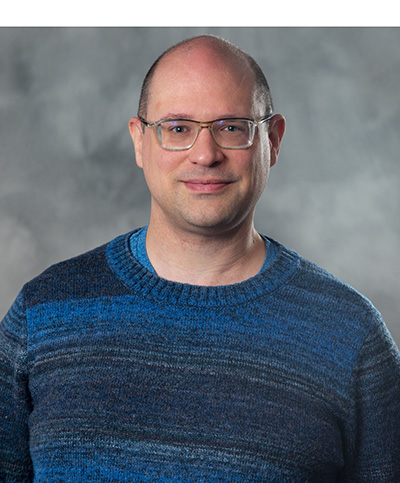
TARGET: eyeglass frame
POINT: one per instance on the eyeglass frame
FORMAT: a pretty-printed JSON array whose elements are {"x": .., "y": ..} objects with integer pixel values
[{"x": 207, "y": 125}]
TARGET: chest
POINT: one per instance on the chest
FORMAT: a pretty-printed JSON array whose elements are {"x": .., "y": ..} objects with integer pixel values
[{"x": 169, "y": 397}]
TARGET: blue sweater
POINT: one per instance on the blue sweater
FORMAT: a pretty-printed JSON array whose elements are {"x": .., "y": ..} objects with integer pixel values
[{"x": 109, "y": 373}]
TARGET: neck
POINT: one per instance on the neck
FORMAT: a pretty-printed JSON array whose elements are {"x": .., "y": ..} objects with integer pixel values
[{"x": 204, "y": 259}]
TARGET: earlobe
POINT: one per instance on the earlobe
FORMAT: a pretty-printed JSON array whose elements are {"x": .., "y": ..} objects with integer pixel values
[
  {"x": 276, "y": 132},
  {"x": 135, "y": 129}
]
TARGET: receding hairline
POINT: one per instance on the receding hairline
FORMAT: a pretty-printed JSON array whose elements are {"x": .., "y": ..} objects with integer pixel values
[{"x": 224, "y": 46}]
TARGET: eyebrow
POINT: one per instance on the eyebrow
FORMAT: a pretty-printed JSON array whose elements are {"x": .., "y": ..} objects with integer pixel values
[
  {"x": 188, "y": 117},
  {"x": 176, "y": 115}
]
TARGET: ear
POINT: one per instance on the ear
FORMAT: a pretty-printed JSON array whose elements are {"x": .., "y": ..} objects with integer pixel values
[
  {"x": 275, "y": 134},
  {"x": 136, "y": 131}
]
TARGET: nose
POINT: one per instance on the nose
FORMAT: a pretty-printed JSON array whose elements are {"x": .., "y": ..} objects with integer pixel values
[{"x": 205, "y": 150}]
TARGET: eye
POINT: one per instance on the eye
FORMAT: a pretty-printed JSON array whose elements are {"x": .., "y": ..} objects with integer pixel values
[
  {"x": 177, "y": 128},
  {"x": 176, "y": 132},
  {"x": 231, "y": 126},
  {"x": 180, "y": 129}
]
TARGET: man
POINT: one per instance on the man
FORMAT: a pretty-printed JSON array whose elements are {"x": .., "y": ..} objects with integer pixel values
[{"x": 196, "y": 349}]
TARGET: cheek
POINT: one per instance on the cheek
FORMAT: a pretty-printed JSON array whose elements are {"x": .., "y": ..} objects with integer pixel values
[
  {"x": 158, "y": 167},
  {"x": 261, "y": 173},
  {"x": 260, "y": 165},
  {"x": 153, "y": 175},
  {"x": 263, "y": 160}
]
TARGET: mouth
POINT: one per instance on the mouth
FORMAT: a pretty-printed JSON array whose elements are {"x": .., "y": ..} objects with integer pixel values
[{"x": 206, "y": 185}]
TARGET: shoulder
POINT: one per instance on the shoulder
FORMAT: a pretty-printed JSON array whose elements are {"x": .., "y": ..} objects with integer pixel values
[
  {"x": 327, "y": 304},
  {"x": 86, "y": 275},
  {"x": 333, "y": 293},
  {"x": 314, "y": 283}
]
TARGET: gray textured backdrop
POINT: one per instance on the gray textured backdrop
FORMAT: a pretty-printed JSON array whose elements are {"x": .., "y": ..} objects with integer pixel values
[{"x": 68, "y": 180}]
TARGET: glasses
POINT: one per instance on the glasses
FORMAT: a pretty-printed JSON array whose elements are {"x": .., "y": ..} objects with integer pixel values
[{"x": 181, "y": 134}]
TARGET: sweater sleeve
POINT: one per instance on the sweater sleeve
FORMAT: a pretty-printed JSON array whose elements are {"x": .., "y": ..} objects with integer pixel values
[
  {"x": 15, "y": 404},
  {"x": 375, "y": 428}
]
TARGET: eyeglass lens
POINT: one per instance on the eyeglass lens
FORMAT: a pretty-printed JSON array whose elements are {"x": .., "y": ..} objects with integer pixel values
[{"x": 227, "y": 133}]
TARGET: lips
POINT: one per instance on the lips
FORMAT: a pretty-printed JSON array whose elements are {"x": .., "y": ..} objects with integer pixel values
[{"x": 206, "y": 185}]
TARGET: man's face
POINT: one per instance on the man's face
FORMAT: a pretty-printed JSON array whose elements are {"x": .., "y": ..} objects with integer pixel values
[{"x": 205, "y": 189}]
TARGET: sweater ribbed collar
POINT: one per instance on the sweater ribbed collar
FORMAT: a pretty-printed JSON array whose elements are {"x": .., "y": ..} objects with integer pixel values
[{"x": 138, "y": 279}]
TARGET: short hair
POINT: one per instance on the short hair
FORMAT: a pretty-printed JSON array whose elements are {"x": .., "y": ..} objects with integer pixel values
[{"x": 261, "y": 80}]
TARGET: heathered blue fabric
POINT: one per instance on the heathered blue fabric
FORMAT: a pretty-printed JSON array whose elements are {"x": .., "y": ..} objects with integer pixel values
[{"x": 110, "y": 374}]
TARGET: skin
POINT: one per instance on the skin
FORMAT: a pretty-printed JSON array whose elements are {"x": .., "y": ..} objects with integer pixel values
[{"x": 201, "y": 228}]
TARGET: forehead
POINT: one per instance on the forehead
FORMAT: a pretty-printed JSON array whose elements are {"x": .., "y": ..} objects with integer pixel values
[{"x": 203, "y": 81}]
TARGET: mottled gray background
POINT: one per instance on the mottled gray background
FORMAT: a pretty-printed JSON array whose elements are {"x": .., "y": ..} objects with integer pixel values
[{"x": 68, "y": 179}]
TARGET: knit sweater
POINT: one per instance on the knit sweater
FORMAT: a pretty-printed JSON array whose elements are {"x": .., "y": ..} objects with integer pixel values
[{"x": 109, "y": 373}]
